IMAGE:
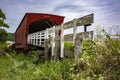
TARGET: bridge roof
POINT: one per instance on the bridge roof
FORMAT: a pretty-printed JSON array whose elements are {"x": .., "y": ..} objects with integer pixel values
[{"x": 38, "y": 17}]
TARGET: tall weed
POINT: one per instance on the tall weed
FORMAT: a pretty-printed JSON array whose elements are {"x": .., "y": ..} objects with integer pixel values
[{"x": 99, "y": 60}]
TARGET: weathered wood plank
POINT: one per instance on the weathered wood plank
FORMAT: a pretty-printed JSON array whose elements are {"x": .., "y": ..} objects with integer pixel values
[
  {"x": 85, "y": 35},
  {"x": 68, "y": 37},
  {"x": 86, "y": 20},
  {"x": 68, "y": 25},
  {"x": 74, "y": 30}
]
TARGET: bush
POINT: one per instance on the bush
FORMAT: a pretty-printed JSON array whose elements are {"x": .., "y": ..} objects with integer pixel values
[
  {"x": 98, "y": 61},
  {"x": 3, "y": 36},
  {"x": 2, "y": 49}
]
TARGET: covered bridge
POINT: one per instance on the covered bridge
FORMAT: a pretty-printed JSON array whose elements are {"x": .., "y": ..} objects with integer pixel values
[{"x": 34, "y": 22}]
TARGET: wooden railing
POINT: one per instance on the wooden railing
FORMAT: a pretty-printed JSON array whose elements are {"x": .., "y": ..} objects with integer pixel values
[{"x": 38, "y": 38}]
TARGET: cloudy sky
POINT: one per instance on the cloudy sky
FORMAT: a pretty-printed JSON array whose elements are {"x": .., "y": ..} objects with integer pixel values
[{"x": 107, "y": 12}]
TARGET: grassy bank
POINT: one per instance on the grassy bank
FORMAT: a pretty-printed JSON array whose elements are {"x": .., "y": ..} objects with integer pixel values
[
  {"x": 20, "y": 67},
  {"x": 99, "y": 61}
]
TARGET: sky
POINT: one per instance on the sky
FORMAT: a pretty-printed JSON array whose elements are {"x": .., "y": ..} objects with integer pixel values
[{"x": 106, "y": 12}]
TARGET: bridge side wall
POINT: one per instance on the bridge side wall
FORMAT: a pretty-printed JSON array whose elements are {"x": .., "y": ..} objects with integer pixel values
[{"x": 20, "y": 35}]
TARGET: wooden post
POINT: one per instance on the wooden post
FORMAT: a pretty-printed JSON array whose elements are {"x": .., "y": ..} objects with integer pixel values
[
  {"x": 40, "y": 39},
  {"x": 53, "y": 40},
  {"x": 33, "y": 38},
  {"x": 85, "y": 28},
  {"x": 36, "y": 39},
  {"x": 78, "y": 46},
  {"x": 57, "y": 48},
  {"x": 62, "y": 42},
  {"x": 47, "y": 46},
  {"x": 74, "y": 30}
]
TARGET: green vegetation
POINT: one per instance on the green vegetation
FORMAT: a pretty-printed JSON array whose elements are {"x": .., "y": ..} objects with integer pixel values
[
  {"x": 20, "y": 67},
  {"x": 68, "y": 44},
  {"x": 69, "y": 49},
  {"x": 3, "y": 36},
  {"x": 2, "y": 18},
  {"x": 10, "y": 37},
  {"x": 3, "y": 33},
  {"x": 99, "y": 61}
]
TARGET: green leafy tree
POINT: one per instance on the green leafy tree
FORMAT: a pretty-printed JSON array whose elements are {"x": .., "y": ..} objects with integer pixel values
[
  {"x": 10, "y": 37},
  {"x": 3, "y": 33}
]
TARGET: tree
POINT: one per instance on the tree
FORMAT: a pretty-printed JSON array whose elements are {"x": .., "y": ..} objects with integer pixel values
[
  {"x": 99, "y": 32},
  {"x": 3, "y": 33},
  {"x": 10, "y": 37},
  {"x": 2, "y": 18}
]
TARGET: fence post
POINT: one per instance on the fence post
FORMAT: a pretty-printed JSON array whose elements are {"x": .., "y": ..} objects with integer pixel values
[
  {"x": 62, "y": 42},
  {"x": 53, "y": 41},
  {"x": 46, "y": 45},
  {"x": 74, "y": 30},
  {"x": 36, "y": 39},
  {"x": 57, "y": 48},
  {"x": 57, "y": 45},
  {"x": 40, "y": 39},
  {"x": 85, "y": 28},
  {"x": 46, "y": 49},
  {"x": 78, "y": 46}
]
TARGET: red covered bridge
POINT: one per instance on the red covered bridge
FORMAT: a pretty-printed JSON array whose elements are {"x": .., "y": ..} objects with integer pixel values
[{"x": 31, "y": 23}]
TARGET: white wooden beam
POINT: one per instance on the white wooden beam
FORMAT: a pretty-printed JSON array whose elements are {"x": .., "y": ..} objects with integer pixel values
[
  {"x": 62, "y": 42},
  {"x": 53, "y": 40},
  {"x": 74, "y": 30}
]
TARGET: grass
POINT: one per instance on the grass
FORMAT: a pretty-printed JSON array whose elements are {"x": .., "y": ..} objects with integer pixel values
[
  {"x": 69, "y": 49},
  {"x": 97, "y": 62},
  {"x": 68, "y": 44},
  {"x": 20, "y": 67}
]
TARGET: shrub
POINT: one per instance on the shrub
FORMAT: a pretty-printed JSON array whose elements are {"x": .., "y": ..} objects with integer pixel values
[
  {"x": 3, "y": 36},
  {"x": 98, "y": 61}
]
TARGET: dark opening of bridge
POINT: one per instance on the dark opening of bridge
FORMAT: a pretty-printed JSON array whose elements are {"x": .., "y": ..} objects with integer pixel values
[{"x": 40, "y": 25}]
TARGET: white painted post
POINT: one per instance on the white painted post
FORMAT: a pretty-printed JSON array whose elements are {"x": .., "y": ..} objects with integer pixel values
[
  {"x": 32, "y": 39},
  {"x": 40, "y": 39},
  {"x": 36, "y": 39},
  {"x": 62, "y": 42},
  {"x": 74, "y": 30},
  {"x": 53, "y": 40}
]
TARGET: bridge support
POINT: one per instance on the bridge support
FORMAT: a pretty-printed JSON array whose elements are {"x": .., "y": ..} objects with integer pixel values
[
  {"x": 47, "y": 51},
  {"x": 78, "y": 46},
  {"x": 57, "y": 48}
]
